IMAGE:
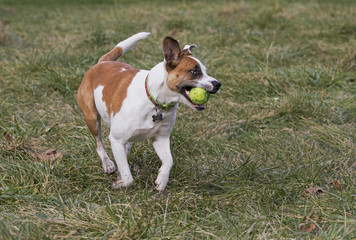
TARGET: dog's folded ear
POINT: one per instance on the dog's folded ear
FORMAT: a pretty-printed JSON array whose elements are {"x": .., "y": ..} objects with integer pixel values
[
  {"x": 172, "y": 52},
  {"x": 187, "y": 50}
]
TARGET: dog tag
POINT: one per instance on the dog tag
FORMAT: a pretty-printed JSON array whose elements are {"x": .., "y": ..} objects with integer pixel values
[{"x": 158, "y": 117}]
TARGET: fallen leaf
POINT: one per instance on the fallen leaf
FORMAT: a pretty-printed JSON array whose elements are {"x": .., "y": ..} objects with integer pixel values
[
  {"x": 311, "y": 226},
  {"x": 49, "y": 155},
  {"x": 7, "y": 137},
  {"x": 336, "y": 184},
  {"x": 308, "y": 228},
  {"x": 9, "y": 142},
  {"x": 333, "y": 184},
  {"x": 312, "y": 191}
]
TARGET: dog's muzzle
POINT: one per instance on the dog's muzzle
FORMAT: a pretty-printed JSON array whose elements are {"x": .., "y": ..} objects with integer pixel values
[{"x": 216, "y": 86}]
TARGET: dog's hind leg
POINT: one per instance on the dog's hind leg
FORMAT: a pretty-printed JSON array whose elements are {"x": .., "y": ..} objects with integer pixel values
[
  {"x": 92, "y": 119},
  {"x": 108, "y": 165}
]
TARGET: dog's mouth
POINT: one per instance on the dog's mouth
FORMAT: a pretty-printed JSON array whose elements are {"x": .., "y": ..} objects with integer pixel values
[{"x": 185, "y": 92}]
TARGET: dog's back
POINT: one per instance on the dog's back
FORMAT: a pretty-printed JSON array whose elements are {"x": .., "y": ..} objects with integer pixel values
[{"x": 116, "y": 76}]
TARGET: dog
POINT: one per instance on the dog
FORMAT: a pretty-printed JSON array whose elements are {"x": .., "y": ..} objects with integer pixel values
[{"x": 138, "y": 104}]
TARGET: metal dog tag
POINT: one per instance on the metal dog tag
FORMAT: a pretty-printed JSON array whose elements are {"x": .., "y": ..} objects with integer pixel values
[{"x": 158, "y": 117}]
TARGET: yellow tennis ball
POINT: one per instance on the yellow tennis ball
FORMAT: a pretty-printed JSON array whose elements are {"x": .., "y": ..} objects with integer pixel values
[{"x": 199, "y": 95}]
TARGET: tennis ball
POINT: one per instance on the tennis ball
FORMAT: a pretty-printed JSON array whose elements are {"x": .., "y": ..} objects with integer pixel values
[{"x": 198, "y": 95}]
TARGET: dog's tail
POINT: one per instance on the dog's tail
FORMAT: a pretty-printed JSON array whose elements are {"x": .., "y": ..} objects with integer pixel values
[{"x": 123, "y": 47}]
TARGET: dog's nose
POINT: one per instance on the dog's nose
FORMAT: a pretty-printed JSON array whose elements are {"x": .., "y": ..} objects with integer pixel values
[{"x": 216, "y": 86}]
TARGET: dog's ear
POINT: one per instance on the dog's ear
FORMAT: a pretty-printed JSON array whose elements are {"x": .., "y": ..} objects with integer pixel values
[
  {"x": 187, "y": 49},
  {"x": 172, "y": 52}
]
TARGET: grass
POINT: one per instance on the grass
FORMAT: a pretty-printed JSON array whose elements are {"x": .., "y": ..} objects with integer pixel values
[{"x": 283, "y": 121}]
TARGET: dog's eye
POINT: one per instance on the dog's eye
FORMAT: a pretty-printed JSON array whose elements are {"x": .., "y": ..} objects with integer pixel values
[{"x": 195, "y": 71}]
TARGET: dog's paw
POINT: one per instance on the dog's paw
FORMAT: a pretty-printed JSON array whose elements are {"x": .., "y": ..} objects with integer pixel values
[
  {"x": 161, "y": 183},
  {"x": 109, "y": 166},
  {"x": 119, "y": 183}
]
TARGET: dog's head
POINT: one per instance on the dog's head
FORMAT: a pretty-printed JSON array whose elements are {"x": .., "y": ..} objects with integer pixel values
[{"x": 186, "y": 72}]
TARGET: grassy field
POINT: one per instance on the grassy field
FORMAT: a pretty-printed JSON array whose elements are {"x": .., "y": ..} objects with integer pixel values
[{"x": 272, "y": 157}]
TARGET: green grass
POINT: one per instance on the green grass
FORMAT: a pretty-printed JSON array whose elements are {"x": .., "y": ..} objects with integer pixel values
[{"x": 284, "y": 120}]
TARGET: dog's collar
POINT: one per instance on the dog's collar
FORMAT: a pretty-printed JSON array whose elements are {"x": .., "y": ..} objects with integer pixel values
[{"x": 154, "y": 100}]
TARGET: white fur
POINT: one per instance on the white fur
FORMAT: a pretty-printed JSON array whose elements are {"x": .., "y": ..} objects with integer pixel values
[
  {"x": 100, "y": 104},
  {"x": 189, "y": 48},
  {"x": 130, "y": 42}
]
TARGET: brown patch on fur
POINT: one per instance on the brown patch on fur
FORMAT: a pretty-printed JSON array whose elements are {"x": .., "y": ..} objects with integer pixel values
[
  {"x": 114, "y": 54},
  {"x": 114, "y": 80},
  {"x": 85, "y": 99},
  {"x": 180, "y": 74}
]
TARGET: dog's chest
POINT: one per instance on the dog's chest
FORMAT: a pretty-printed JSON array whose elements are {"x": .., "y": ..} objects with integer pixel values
[
  {"x": 138, "y": 119},
  {"x": 140, "y": 125}
]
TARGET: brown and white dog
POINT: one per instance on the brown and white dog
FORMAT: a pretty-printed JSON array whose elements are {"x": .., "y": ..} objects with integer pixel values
[{"x": 139, "y": 104}]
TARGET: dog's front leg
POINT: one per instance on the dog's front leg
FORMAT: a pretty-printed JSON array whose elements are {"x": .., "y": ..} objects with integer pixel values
[
  {"x": 162, "y": 148},
  {"x": 124, "y": 177}
]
